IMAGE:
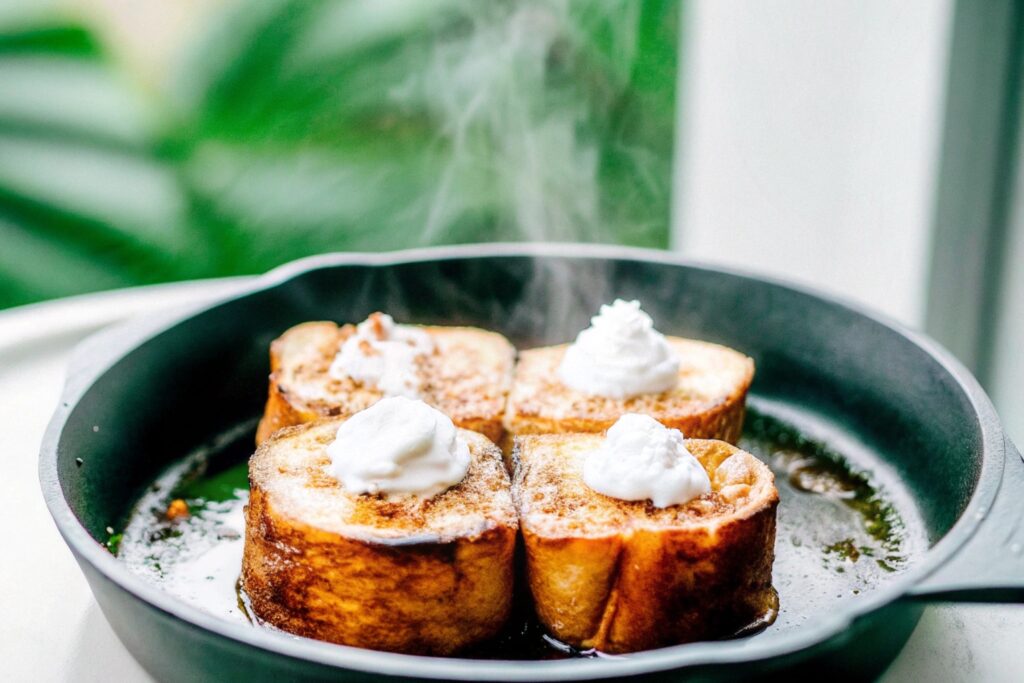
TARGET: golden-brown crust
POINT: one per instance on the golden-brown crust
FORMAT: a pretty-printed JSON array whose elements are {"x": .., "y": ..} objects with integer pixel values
[
  {"x": 467, "y": 378},
  {"x": 708, "y": 402},
  {"x": 622, "y": 576},
  {"x": 400, "y": 574}
]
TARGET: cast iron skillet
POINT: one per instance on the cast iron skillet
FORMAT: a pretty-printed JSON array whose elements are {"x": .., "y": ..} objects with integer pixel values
[{"x": 140, "y": 397}]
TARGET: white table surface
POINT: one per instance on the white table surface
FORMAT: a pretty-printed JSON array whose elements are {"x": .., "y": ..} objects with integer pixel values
[{"x": 51, "y": 628}]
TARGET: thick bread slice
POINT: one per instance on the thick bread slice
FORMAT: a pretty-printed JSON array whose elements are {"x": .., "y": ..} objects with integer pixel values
[
  {"x": 467, "y": 378},
  {"x": 621, "y": 576},
  {"x": 405, "y": 575},
  {"x": 708, "y": 403}
]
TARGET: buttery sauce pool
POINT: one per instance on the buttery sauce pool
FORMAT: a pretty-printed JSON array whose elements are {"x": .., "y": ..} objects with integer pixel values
[{"x": 842, "y": 528}]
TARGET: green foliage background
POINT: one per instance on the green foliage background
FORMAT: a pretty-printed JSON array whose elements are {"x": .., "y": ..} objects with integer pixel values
[{"x": 295, "y": 127}]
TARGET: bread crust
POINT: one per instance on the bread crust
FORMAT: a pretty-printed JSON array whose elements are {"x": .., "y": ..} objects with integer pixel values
[
  {"x": 467, "y": 378},
  {"x": 709, "y": 401},
  {"x": 621, "y": 576},
  {"x": 421, "y": 577}
]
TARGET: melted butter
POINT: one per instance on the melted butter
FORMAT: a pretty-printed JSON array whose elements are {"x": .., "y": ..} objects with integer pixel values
[
  {"x": 197, "y": 557},
  {"x": 841, "y": 532}
]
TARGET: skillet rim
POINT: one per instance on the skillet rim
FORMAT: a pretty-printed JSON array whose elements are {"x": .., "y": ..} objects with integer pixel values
[{"x": 813, "y": 632}]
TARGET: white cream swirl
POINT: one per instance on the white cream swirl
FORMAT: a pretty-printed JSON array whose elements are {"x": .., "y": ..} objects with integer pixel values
[
  {"x": 398, "y": 446},
  {"x": 620, "y": 355},
  {"x": 641, "y": 459},
  {"x": 383, "y": 355}
]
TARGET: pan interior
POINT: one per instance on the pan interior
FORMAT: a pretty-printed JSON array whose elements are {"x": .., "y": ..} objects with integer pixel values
[
  {"x": 845, "y": 526},
  {"x": 832, "y": 386}
]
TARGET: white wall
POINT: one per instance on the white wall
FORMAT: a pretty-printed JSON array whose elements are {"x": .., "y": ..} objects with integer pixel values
[
  {"x": 808, "y": 141},
  {"x": 1006, "y": 385}
]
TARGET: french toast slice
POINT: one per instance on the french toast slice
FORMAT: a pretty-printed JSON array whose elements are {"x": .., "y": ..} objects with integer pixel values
[
  {"x": 467, "y": 377},
  {"x": 708, "y": 402},
  {"x": 402, "y": 574},
  {"x": 622, "y": 576}
]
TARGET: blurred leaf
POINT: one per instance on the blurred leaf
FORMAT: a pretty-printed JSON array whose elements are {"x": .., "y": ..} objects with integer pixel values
[
  {"x": 40, "y": 266},
  {"x": 120, "y": 194},
  {"x": 85, "y": 203},
  {"x": 53, "y": 96},
  {"x": 69, "y": 41},
  {"x": 297, "y": 127},
  {"x": 283, "y": 205},
  {"x": 374, "y": 124}
]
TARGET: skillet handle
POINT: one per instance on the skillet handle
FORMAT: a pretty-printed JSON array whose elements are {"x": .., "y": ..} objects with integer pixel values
[{"x": 989, "y": 567}]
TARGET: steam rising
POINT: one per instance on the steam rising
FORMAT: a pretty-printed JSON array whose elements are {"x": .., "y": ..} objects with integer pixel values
[
  {"x": 518, "y": 126},
  {"x": 506, "y": 125},
  {"x": 528, "y": 120}
]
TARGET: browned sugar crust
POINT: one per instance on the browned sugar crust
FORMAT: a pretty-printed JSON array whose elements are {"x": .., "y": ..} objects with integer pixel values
[
  {"x": 623, "y": 576},
  {"x": 467, "y": 377},
  {"x": 708, "y": 402},
  {"x": 401, "y": 574}
]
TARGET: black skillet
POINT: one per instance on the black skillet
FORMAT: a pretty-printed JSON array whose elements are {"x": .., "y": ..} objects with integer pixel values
[{"x": 141, "y": 396}]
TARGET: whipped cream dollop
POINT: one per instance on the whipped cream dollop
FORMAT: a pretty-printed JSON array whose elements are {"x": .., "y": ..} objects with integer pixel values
[
  {"x": 643, "y": 459},
  {"x": 398, "y": 446},
  {"x": 620, "y": 355},
  {"x": 383, "y": 355}
]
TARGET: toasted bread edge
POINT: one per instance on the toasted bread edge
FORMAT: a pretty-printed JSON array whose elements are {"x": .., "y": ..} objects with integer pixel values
[{"x": 432, "y": 598}]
